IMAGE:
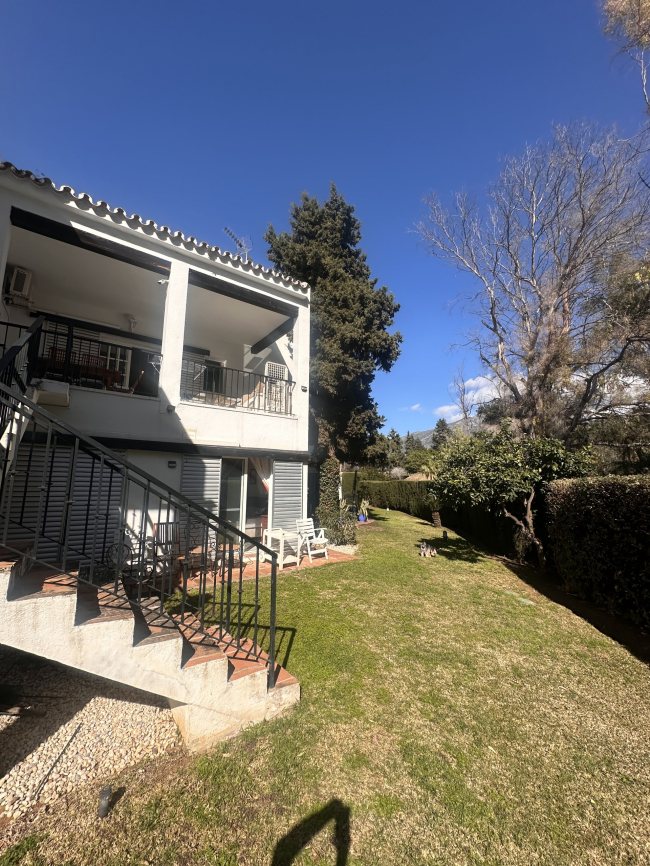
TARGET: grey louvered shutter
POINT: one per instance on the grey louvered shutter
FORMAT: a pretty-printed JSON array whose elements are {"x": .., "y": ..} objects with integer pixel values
[
  {"x": 287, "y": 495},
  {"x": 202, "y": 480},
  {"x": 83, "y": 515}
]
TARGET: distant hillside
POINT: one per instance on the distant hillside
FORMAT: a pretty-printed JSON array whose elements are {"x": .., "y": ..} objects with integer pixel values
[{"x": 426, "y": 436}]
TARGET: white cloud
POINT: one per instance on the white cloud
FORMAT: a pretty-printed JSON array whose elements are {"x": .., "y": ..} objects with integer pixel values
[
  {"x": 449, "y": 413},
  {"x": 416, "y": 408},
  {"x": 479, "y": 390}
]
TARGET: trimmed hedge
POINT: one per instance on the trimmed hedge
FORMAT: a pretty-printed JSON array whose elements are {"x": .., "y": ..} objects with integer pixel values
[
  {"x": 493, "y": 530},
  {"x": 599, "y": 536},
  {"x": 409, "y": 496}
]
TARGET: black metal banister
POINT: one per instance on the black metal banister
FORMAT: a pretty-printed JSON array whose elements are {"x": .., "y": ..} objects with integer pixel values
[
  {"x": 218, "y": 385},
  {"x": 11, "y": 353},
  {"x": 98, "y": 518}
]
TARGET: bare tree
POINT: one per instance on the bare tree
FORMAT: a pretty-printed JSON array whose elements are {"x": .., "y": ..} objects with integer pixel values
[
  {"x": 562, "y": 220},
  {"x": 461, "y": 396},
  {"x": 627, "y": 22}
]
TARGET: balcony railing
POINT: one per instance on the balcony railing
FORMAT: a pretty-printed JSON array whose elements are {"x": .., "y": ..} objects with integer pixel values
[
  {"x": 66, "y": 355},
  {"x": 206, "y": 382}
]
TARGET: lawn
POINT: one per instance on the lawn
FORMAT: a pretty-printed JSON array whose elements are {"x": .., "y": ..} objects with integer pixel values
[{"x": 450, "y": 714}]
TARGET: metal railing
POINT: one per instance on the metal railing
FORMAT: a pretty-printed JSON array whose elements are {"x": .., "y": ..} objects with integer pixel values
[
  {"x": 71, "y": 505},
  {"x": 67, "y": 355},
  {"x": 17, "y": 364},
  {"x": 225, "y": 386},
  {"x": 9, "y": 333}
]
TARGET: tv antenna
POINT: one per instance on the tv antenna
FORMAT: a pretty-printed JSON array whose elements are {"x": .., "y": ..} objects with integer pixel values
[{"x": 243, "y": 245}]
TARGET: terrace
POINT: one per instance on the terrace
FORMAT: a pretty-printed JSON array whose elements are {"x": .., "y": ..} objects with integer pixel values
[{"x": 106, "y": 308}]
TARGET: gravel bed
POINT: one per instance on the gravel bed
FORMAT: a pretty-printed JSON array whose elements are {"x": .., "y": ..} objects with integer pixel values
[
  {"x": 349, "y": 549},
  {"x": 120, "y": 726}
]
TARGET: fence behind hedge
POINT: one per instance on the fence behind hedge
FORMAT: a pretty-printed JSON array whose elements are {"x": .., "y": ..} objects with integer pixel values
[{"x": 599, "y": 537}]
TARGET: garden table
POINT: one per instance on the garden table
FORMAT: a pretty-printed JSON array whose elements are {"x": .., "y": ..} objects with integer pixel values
[{"x": 284, "y": 538}]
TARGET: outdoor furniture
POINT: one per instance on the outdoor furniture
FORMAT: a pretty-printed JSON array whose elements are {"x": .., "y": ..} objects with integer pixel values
[
  {"x": 311, "y": 537},
  {"x": 56, "y": 361},
  {"x": 95, "y": 367},
  {"x": 288, "y": 544},
  {"x": 255, "y": 398},
  {"x": 166, "y": 547},
  {"x": 113, "y": 386}
]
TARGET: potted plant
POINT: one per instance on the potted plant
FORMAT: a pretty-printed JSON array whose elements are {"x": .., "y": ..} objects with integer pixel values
[
  {"x": 435, "y": 510},
  {"x": 363, "y": 510}
]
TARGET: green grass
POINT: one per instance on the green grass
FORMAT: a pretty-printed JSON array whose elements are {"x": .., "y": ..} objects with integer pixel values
[{"x": 457, "y": 724}]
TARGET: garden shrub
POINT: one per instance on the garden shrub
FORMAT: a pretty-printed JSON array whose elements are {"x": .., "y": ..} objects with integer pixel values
[
  {"x": 338, "y": 521},
  {"x": 599, "y": 536}
]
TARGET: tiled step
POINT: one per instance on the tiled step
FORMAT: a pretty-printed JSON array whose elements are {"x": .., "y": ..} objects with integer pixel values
[
  {"x": 95, "y": 605},
  {"x": 239, "y": 667},
  {"x": 42, "y": 581},
  {"x": 242, "y": 661},
  {"x": 202, "y": 653},
  {"x": 150, "y": 626},
  {"x": 283, "y": 678},
  {"x": 9, "y": 556}
]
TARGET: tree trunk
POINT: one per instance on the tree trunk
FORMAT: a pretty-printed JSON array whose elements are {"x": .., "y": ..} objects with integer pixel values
[
  {"x": 528, "y": 529},
  {"x": 435, "y": 518}
]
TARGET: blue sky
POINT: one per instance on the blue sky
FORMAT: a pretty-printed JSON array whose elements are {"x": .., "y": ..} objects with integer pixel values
[{"x": 220, "y": 113}]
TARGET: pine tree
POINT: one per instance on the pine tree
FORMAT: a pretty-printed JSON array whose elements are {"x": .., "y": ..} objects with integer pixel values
[
  {"x": 350, "y": 317},
  {"x": 412, "y": 444},
  {"x": 395, "y": 450},
  {"x": 441, "y": 433}
]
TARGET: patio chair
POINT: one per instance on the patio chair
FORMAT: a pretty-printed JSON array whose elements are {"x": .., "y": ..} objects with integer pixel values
[
  {"x": 55, "y": 363},
  {"x": 92, "y": 367},
  {"x": 311, "y": 537}
]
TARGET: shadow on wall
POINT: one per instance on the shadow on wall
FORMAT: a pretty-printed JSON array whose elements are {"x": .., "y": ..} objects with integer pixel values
[{"x": 290, "y": 846}]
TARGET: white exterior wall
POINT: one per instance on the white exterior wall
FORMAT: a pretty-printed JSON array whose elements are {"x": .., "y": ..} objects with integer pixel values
[{"x": 105, "y": 413}]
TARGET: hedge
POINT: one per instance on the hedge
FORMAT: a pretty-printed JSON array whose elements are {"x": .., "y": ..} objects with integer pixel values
[
  {"x": 494, "y": 530},
  {"x": 409, "y": 496},
  {"x": 599, "y": 537}
]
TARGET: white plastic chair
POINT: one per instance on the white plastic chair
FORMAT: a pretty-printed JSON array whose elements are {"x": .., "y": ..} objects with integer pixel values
[{"x": 311, "y": 537}]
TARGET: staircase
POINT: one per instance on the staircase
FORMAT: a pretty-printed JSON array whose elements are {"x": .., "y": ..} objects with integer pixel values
[{"x": 106, "y": 569}]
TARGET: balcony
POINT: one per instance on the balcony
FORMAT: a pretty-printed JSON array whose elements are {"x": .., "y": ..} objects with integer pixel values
[
  {"x": 68, "y": 354},
  {"x": 217, "y": 385}
]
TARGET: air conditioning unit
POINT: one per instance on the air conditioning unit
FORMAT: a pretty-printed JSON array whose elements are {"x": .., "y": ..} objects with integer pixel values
[
  {"x": 275, "y": 371},
  {"x": 20, "y": 285}
]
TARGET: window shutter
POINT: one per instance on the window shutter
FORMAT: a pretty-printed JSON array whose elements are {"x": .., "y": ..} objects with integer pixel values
[
  {"x": 287, "y": 495},
  {"x": 82, "y": 512},
  {"x": 202, "y": 480}
]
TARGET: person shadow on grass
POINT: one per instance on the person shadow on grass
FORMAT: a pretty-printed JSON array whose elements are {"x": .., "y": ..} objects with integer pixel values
[{"x": 299, "y": 836}]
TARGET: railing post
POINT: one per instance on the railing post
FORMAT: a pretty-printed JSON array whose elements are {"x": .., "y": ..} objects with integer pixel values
[
  {"x": 69, "y": 502},
  {"x": 229, "y": 583},
  {"x": 274, "y": 574},
  {"x": 68, "y": 355}
]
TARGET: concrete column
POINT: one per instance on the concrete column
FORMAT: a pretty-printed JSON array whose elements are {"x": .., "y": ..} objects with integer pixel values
[
  {"x": 5, "y": 236},
  {"x": 173, "y": 335}
]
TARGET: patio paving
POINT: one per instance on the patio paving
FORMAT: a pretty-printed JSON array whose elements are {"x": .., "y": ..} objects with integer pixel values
[{"x": 265, "y": 567}]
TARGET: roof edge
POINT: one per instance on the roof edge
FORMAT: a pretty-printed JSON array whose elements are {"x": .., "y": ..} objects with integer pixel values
[{"x": 163, "y": 231}]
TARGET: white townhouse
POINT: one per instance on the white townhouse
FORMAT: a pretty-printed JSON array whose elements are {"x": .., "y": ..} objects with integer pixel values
[{"x": 190, "y": 362}]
